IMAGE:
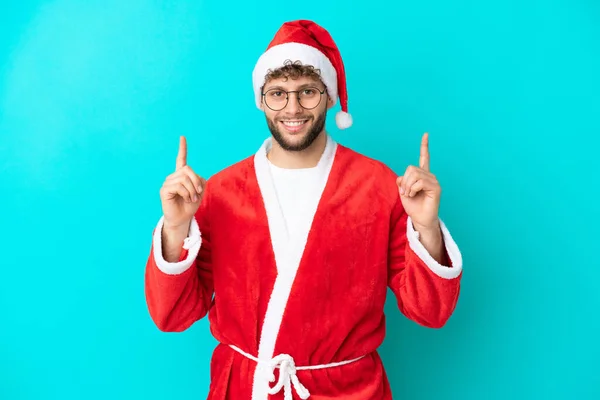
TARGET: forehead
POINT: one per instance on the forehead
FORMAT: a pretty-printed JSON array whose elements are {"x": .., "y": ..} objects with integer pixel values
[{"x": 295, "y": 83}]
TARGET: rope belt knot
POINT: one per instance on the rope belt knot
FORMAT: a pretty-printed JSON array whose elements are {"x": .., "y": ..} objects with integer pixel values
[{"x": 287, "y": 373}]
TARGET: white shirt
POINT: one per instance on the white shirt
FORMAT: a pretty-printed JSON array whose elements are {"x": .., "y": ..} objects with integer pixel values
[{"x": 294, "y": 188}]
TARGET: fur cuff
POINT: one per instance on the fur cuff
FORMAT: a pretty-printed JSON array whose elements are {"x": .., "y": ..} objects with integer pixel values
[
  {"x": 447, "y": 272},
  {"x": 192, "y": 243}
]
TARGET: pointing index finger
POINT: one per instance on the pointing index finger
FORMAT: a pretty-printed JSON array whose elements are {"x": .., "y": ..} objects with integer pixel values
[
  {"x": 424, "y": 158},
  {"x": 182, "y": 154}
]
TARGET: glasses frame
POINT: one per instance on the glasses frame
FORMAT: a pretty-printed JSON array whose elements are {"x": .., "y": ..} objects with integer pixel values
[{"x": 287, "y": 97}]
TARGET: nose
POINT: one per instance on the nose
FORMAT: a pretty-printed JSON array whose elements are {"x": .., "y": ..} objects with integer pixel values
[{"x": 293, "y": 105}]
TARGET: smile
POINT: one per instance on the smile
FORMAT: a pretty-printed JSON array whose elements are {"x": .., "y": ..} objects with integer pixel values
[{"x": 294, "y": 123}]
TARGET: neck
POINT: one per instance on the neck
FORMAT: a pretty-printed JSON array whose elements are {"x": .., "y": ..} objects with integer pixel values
[{"x": 307, "y": 158}]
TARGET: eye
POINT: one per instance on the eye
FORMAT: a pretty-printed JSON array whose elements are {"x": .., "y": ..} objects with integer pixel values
[
  {"x": 309, "y": 92},
  {"x": 275, "y": 94}
]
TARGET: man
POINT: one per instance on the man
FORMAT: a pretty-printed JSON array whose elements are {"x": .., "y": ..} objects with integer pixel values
[{"x": 290, "y": 251}]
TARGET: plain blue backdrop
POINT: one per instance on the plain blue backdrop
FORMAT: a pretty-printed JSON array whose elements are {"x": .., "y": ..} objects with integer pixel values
[{"x": 94, "y": 96}]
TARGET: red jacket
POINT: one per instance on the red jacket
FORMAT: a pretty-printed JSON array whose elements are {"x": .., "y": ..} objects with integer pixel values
[{"x": 326, "y": 304}]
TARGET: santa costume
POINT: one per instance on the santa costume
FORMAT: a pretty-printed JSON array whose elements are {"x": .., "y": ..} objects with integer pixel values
[{"x": 292, "y": 267}]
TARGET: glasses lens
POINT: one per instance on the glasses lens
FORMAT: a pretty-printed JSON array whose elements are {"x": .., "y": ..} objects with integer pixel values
[
  {"x": 276, "y": 99},
  {"x": 309, "y": 97}
]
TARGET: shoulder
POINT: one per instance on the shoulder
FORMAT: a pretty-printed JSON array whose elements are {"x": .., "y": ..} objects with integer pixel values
[
  {"x": 370, "y": 171},
  {"x": 241, "y": 170},
  {"x": 365, "y": 165},
  {"x": 359, "y": 159}
]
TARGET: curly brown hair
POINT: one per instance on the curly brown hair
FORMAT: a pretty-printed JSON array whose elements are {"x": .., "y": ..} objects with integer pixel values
[{"x": 293, "y": 70}]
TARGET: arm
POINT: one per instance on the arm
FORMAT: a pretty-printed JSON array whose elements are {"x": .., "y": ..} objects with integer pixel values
[
  {"x": 180, "y": 293},
  {"x": 432, "y": 240},
  {"x": 426, "y": 290}
]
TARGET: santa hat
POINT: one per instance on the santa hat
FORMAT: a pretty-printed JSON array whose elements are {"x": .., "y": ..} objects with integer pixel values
[{"x": 309, "y": 43}]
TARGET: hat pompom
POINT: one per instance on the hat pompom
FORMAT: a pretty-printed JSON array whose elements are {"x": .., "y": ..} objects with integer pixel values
[{"x": 343, "y": 120}]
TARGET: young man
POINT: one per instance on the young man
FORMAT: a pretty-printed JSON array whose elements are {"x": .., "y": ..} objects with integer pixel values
[{"x": 290, "y": 252}]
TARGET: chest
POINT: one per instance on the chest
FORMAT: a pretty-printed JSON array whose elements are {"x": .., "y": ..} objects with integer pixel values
[{"x": 340, "y": 235}]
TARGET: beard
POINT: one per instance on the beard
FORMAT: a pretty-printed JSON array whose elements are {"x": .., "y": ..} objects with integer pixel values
[{"x": 310, "y": 137}]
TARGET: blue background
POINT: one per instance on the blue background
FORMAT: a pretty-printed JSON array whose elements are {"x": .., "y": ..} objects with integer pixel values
[{"x": 93, "y": 98}]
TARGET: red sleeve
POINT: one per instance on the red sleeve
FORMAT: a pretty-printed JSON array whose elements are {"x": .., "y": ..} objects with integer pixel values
[
  {"x": 426, "y": 291},
  {"x": 178, "y": 294}
]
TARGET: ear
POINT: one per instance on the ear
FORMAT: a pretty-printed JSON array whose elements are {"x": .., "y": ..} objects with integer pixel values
[
  {"x": 262, "y": 99},
  {"x": 330, "y": 102}
]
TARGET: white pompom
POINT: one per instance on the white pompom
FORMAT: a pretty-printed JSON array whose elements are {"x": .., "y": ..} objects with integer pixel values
[{"x": 343, "y": 120}]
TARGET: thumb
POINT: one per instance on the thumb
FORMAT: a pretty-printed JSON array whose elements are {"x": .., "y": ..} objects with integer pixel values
[{"x": 399, "y": 183}]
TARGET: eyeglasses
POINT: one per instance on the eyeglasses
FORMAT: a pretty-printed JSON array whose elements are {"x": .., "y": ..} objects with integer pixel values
[{"x": 308, "y": 98}]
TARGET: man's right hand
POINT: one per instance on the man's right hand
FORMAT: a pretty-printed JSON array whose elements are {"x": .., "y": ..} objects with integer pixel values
[{"x": 180, "y": 196}]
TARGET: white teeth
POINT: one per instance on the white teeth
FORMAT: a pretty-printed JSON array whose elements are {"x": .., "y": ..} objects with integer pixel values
[{"x": 293, "y": 123}]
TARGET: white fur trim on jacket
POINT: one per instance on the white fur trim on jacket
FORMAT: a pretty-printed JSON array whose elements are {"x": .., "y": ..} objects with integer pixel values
[
  {"x": 192, "y": 243},
  {"x": 451, "y": 247}
]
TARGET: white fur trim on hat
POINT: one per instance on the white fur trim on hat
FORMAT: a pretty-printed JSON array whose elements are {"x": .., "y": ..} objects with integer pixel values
[{"x": 276, "y": 56}]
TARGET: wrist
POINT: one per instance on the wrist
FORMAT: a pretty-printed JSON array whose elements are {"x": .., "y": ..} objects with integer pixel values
[
  {"x": 428, "y": 230},
  {"x": 432, "y": 239},
  {"x": 178, "y": 229}
]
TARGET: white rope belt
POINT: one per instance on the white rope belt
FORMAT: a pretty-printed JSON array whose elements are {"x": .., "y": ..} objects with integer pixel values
[{"x": 287, "y": 374}]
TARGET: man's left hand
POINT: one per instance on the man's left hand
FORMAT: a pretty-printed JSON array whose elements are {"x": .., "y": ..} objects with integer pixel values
[{"x": 420, "y": 192}]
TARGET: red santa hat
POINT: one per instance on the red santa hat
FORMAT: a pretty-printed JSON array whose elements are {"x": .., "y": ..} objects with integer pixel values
[{"x": 309, "y": 43}]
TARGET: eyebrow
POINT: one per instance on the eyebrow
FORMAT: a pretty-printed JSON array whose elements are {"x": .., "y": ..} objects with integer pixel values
[{"x": 303, "y": 86}]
